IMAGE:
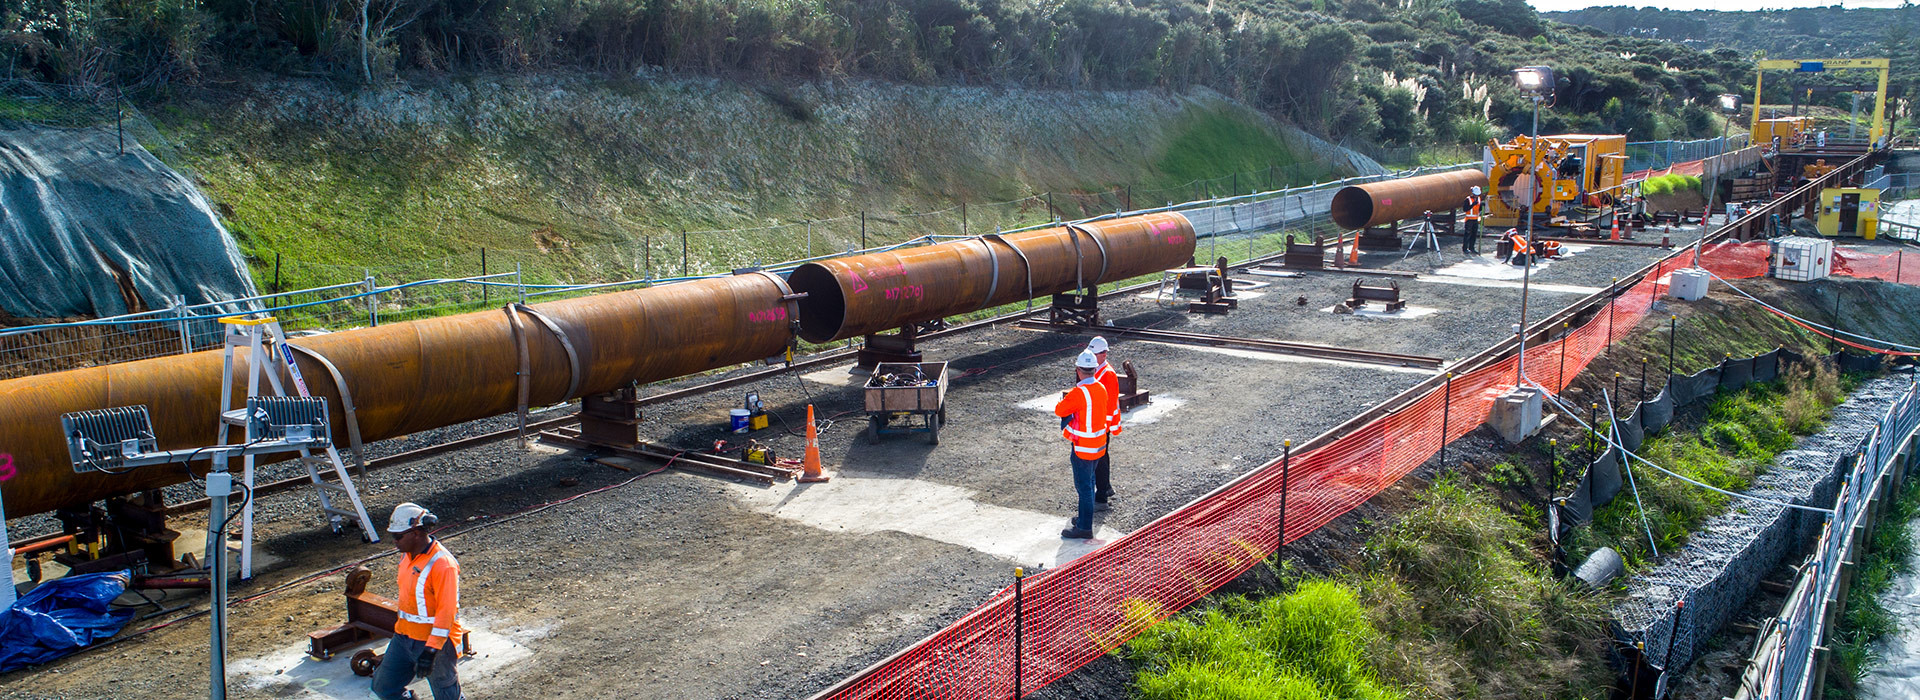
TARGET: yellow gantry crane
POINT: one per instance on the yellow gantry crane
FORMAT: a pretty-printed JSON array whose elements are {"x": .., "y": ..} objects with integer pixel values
[{"x": 1821, "y": 66}]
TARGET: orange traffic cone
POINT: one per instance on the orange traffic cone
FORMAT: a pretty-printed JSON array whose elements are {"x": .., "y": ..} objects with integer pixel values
[
  {"x": 810, "y": 465},
  {"x": 1354, "y": 257},
  {"x": 1616, "y": 228}
]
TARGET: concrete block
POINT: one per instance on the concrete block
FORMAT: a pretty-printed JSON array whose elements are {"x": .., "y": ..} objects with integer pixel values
[
  {"x": 1689, "y": 284},
  {"x": 1516, "y": 414}
]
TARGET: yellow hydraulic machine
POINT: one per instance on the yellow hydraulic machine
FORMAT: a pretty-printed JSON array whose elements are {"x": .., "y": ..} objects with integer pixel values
[
  {"x": 1820, "y": 66},
  {"x": 1849, "y": 211},
  {"x": 1574, "y": 169},
  {"x": 1788, "y": 129}
]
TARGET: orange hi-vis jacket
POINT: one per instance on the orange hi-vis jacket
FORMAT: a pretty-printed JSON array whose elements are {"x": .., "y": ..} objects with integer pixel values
[
  {"x": 429, "y": 597},
  {"x": 1473, "y": 208},
  {"x": 1110, "y": 380},
  {"x": 1086, "y": 407}
]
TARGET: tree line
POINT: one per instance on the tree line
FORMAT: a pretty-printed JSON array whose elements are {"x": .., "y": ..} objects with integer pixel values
[{"x": 1396, "y": 72}]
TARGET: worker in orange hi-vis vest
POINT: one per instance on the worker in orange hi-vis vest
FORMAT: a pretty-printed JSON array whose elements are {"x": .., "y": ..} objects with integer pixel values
[
  {"x": 426, "y": 638},
  {"x": 1470, "y": 238},
  {"x": 1109, "y": 380},
  {"x": 1083, "y": 412}
]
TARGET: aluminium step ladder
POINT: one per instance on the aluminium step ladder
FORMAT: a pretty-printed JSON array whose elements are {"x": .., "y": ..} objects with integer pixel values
[{"x": 265, "y": 342}]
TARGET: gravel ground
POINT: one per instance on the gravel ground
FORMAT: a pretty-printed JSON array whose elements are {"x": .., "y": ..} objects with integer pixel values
[{"x": 744, "y": 593}]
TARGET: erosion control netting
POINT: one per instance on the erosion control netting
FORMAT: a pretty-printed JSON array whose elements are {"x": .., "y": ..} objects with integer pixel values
[
  {"x": 91, "y": 231},
  {"x": 1722, "y": 564}
]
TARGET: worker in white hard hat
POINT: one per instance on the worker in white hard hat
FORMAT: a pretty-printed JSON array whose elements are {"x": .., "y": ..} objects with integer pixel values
[
  {"x": 426, "y": 637},
  {"x": 1084, "y": 411},
  {"x": 1109, "y": 380},
  {"x": 1470, "y": 222}
]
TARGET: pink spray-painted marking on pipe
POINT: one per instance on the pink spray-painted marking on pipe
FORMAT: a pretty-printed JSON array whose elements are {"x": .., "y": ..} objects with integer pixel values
[{"x": 6, "y": 466}]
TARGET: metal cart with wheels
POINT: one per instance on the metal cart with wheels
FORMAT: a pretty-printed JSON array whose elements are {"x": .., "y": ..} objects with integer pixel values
[{"x": 896, "y": 392}]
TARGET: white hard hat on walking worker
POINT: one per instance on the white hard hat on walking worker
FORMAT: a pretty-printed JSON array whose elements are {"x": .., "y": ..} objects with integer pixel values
[
  {"x": 1476, "y": 189},
  {"x": 1097, "y": 345},
  {"x": 408, "y": 516},
  {"x": 1087, "y": 360}
]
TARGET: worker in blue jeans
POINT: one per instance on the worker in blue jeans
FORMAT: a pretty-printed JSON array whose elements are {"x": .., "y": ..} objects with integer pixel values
[
  {"x": 1084, "y": 415},
  {"x": 427, "y": 635}
]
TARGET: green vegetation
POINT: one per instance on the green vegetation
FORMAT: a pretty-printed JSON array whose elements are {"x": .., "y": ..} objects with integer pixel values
[
  {"x": 1671, "y": 183},
  {"x": 1361, "y": 70},
  {"x": 1447, "y": 602},
  {"x": 1800, "y": 33},
  {"x": 1735, "y": 439},
  {"x": 1866, "y": 621},
  {"x": 1309, "y": 644}
]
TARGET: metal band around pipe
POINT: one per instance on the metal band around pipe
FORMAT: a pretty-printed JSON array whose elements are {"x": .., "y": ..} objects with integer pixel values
[
  {"x": 346, "y": 403},
  {"x": 1023, "y": 262},
  {"x": 1097, "y": 243},
  {"x": 573, "y": 358}
]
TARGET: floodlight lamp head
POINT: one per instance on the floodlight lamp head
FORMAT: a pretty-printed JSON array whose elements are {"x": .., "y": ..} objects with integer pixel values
[
  {"x": 1729, "y": 103},
  {"x": 1533, "y": 80}
]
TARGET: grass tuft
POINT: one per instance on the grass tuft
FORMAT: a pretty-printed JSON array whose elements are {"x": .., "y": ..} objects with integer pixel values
[{"x": 1310, "y": 644}]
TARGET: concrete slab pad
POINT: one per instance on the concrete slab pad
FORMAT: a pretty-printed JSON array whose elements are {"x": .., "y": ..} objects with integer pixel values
[
  {"x": 1505, "y": 284},
  {"x": 1143, "y": 415},
  {"x": 1382, "y": 313},
  {"x": 1277, "y": 357},
  {"x": 926, "y": 509},
  {"x": 1489, "y": 267},
  {"x": 288, "y": 672},
  {"x": 837, "y": 375}
]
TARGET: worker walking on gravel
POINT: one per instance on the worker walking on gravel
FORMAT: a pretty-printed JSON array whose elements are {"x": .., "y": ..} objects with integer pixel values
[
  {"x": 1470, "y": 238},
  {"x": 1109, "y": 380},
  {"x": 426, "y": 638},
  {"x": 1083, "y": 412}
]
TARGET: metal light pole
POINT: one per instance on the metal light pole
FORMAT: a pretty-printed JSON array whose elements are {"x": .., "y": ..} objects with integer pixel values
[
  {"x": 1538, "y": 82},
  {"x": 1730, "y": 104}
]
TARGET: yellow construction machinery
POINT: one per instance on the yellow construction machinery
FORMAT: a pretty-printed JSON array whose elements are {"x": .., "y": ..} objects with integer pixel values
[
  {"x": 1820, "y": 66},
  {"x": 1574, "y": 170}
]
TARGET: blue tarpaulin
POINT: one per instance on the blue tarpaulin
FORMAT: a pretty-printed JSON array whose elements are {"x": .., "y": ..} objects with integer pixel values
[{"x": 60, "y": 617}]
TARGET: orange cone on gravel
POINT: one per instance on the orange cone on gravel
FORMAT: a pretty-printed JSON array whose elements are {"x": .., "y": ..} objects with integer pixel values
[
  {"x": 810, "y": 472},
  {"x": 1616, "y": 228}
]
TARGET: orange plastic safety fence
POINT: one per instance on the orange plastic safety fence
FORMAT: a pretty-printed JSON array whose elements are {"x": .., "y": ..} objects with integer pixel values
[{"x": 1074, "y": 614}]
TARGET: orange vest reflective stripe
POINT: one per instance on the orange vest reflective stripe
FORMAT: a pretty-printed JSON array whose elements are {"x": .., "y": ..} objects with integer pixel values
[
  {"x": 429, "y": 597},
  {"x": 1110, "y": 380},
  {"x": 1085, "y": 405},
  {"x": 1473, "y": 208}
]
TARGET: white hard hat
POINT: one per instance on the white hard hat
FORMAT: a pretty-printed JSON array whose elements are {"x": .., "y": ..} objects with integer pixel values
[
  {"x": 1087, "y": 360},
  {"x": 1476, "y": 189},
  {"x": 408, "y": 516},
  {"x": 1097, "y": 345}
]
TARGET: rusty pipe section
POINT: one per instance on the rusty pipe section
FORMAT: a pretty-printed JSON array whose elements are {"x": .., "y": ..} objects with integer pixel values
[
  {"x": 1376, "y": 203},
  {"x": 862, "y": 294},
  {"x": 404, "y": 378}
]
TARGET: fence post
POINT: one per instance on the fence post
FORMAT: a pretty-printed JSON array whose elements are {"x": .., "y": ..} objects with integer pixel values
[
  {"x": 1129, "y": 196},
  {"x": 1446, "y": 411},
  {"x": 520, "y": 281},
  {"x": 1019, "y": 629},
  {"x": 963, "y": 218},
  {"x": 1286, "y": 473},
  {"x": 646, "y": 255},
  {"x": 863, "y": 229},
  {"x": 1593, "y": 431},
  {"x": 276, "y": 272},
  {"x": 1562, "y": 379},
  {"x": 1616, "y": 388},
  {"x": 1899, "y": 263},
  {"x": 1833, "y": 338},
  {"x": 373, "y": 303},
  {"x": 1643, "y": 377},
  {"x": 1611, "y": 305},
  {"x": 1673, "y": 636},
  {"x": 1673, "y": 326},
  {"x": 683, "y": 253},
  {"x": 486, "y": 290},
  {"x": 186, "y": 331},
  {"x": 809, "y": 223}
]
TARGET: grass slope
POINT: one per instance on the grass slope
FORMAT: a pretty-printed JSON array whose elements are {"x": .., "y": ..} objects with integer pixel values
[{"x": 588, "y": 179}]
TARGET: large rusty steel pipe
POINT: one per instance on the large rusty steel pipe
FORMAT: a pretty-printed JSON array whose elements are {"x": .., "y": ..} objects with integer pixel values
[
  {"x": 1376, "y": 203},
  {"x": 404, "y": 378},
  {"x": 862, "y": 294}
]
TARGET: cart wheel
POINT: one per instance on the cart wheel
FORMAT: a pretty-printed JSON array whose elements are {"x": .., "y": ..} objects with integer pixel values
[
  {"x": 873, "y": 430},
  {"x": 933, "y": 429},
  {"x": 364, "y": 661}
]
